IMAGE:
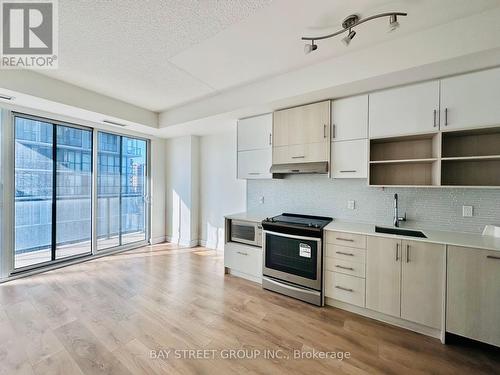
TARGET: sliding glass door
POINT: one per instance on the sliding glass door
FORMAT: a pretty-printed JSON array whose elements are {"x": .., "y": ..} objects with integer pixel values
[
  {"x": 53, "y": 195},
  {"x": 121, "y": 190}
]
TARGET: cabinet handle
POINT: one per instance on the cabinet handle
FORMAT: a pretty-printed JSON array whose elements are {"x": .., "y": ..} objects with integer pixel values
[
  {"x": 333, "y": 130},
  {"x": 324, "y": 130},
  {"x": 345, "y": 268},
  {"x": 342, "y": 253},
  {"x": 492, "y": 257},
  {"x": 344, "y": 239},
  {"x": 397, "y": 252},
  {"x": 435, "y": 115},
  {"x": 241, "y": 253},
  {"x": 342, "y": 288},
  {"x": 349, "y": 171},
  {"x": 407, "y": 253},
  {"x": 254, "y": 173},
  {"x": 270, "y": 139},
  {"x": 298, "y": 157},
  {"x": 446, "y": 117}
]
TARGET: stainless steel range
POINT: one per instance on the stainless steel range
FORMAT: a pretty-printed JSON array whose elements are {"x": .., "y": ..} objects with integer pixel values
[{"x": 293, "y": 256}]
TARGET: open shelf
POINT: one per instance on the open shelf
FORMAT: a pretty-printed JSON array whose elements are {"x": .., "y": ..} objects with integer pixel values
[
  {"x": 424, "y": 146},
  {"x": 489, "y": 157},
  {"x": 407, "y": 174},
  {"x": 405, "y": 161},
  {"x": 471, "y": 143},
  {"x": 485, "y": 172}
]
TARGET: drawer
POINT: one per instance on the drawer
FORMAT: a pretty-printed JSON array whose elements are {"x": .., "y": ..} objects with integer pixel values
[
  {"x": 346, "y": 239},
  {"x": 245, "y": 259},
  {"x": 346, "y": 253},
  {"x": 345, "y": 288},
  {"x": 345, "y": 267}
]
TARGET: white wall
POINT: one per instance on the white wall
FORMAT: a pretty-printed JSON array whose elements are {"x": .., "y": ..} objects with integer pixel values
[
  {"x": 221, "y": 192},
  {"x": 181, "y": 190},
  {"x": 158, "y": 190}
]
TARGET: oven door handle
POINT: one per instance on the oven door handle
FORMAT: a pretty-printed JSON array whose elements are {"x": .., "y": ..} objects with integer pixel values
[{"x": 293, "y": 236}]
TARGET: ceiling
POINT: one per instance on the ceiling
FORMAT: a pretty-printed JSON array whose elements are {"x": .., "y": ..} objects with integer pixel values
[{"x": 161, "y": 54}]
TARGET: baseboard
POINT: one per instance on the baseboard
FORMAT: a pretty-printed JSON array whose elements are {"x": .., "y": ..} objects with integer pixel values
[
  {"x": 182, "y": 242},
  {"x": 415, "y": 327},
  {"x": 157, "y": 240}
]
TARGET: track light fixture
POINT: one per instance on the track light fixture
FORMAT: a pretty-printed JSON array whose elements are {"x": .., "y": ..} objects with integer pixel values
[{"x": 347, "y": 26}]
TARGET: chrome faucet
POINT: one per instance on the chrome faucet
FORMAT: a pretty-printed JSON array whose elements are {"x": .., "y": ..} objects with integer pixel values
[{"x": 397, "y": 219}]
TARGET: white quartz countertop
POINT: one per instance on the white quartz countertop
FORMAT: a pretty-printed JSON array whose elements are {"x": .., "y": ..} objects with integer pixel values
[
  {"x": 442, "y": 237},
  {"x": 247, "y": 216}
]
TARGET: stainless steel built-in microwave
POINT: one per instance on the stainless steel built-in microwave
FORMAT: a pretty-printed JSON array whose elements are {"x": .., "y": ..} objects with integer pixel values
[{"x": 246, "y": 232}]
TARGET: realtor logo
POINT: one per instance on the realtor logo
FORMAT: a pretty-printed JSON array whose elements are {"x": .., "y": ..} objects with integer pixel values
[{"x": 29, "y": 34}]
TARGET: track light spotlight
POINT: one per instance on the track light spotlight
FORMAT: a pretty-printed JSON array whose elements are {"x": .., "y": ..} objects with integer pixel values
[
  {"x": 393, "y": 22},
  {"x": 347, "y": 39},
  {"x": 308, "y": 48}
]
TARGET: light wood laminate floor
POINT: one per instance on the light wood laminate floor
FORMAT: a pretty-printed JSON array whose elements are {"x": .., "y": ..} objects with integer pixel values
[{"x": 105, "y": 316}]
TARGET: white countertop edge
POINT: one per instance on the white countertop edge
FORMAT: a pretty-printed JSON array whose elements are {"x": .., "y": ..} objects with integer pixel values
[{"x": 440, "y": 237}]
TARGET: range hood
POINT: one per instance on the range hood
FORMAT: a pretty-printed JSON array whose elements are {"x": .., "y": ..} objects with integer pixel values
[{"x": 296, "y": 168}]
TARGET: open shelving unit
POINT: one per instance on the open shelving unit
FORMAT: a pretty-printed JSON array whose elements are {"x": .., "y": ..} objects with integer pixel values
[
  {"x": 471, "y": 158},
  {"x": 458, "y": 158},
  {"x": 405, "y": 161}
]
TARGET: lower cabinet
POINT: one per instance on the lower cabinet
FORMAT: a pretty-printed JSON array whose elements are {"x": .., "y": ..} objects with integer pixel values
[
  {"x": 383, "y": 275},
  {"x": 244, "y": 260},
  {"x": 345, "y": 288},
  {"x": 422, "y": 283},
  {"x": 473, "y": 294},
  {"x": 406, "y": 279}
]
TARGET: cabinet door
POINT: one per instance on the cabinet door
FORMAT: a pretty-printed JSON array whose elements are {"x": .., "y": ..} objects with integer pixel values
[
  {"x": 405, "y": 110},
  {"x": 422, "y": 283},
  {"x": 350, "y": 118},
  {"x": 255, "y": 132},
  {"x": 281, "y": 128},
  {"x": 471, "y": 100},
  {"x": 254, "y": 164},
  {"x": 473, "y": 294},
  {"x": 350, "y": 159},
  {"x": 383, "y": 275},
  {"x": 315, "y": 120}
]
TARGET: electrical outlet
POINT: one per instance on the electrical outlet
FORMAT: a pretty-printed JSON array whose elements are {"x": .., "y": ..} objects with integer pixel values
[
  {"x": 467, "y": 211},
  {"x": 351, "y": 205},
  {"x": 261, "y": 200}
]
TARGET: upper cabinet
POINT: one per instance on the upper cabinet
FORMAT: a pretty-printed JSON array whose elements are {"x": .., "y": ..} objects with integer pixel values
[
  {"x": 471, "y": 100},
  {"x": 350, "y": 118},
  {"x": 349, "y": 137},
  {"x": 255, "y": 132},
  {"x": 405, "y": 110},
  {"x": 255, "y": 147},
  {"x": 302, "y": 134}
]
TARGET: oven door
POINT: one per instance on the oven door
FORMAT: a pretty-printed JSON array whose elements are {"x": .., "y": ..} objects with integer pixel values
[{"x": 295, "y": 259}]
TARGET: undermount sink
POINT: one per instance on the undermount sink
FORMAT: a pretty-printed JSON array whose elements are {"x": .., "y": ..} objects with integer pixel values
[{"x": 400, "y": 232}]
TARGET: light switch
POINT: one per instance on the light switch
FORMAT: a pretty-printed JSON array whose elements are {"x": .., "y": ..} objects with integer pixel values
[
  {"x": 467, "y": 211},
  {"x": 351, "y": 205}
]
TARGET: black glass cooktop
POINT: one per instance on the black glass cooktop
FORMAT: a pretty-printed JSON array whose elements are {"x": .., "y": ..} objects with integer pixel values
[{"x": 289, "y": 222}]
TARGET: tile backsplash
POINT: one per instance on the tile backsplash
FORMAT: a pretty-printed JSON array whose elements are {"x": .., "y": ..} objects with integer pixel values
[{"x": 426, "y": 208}]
